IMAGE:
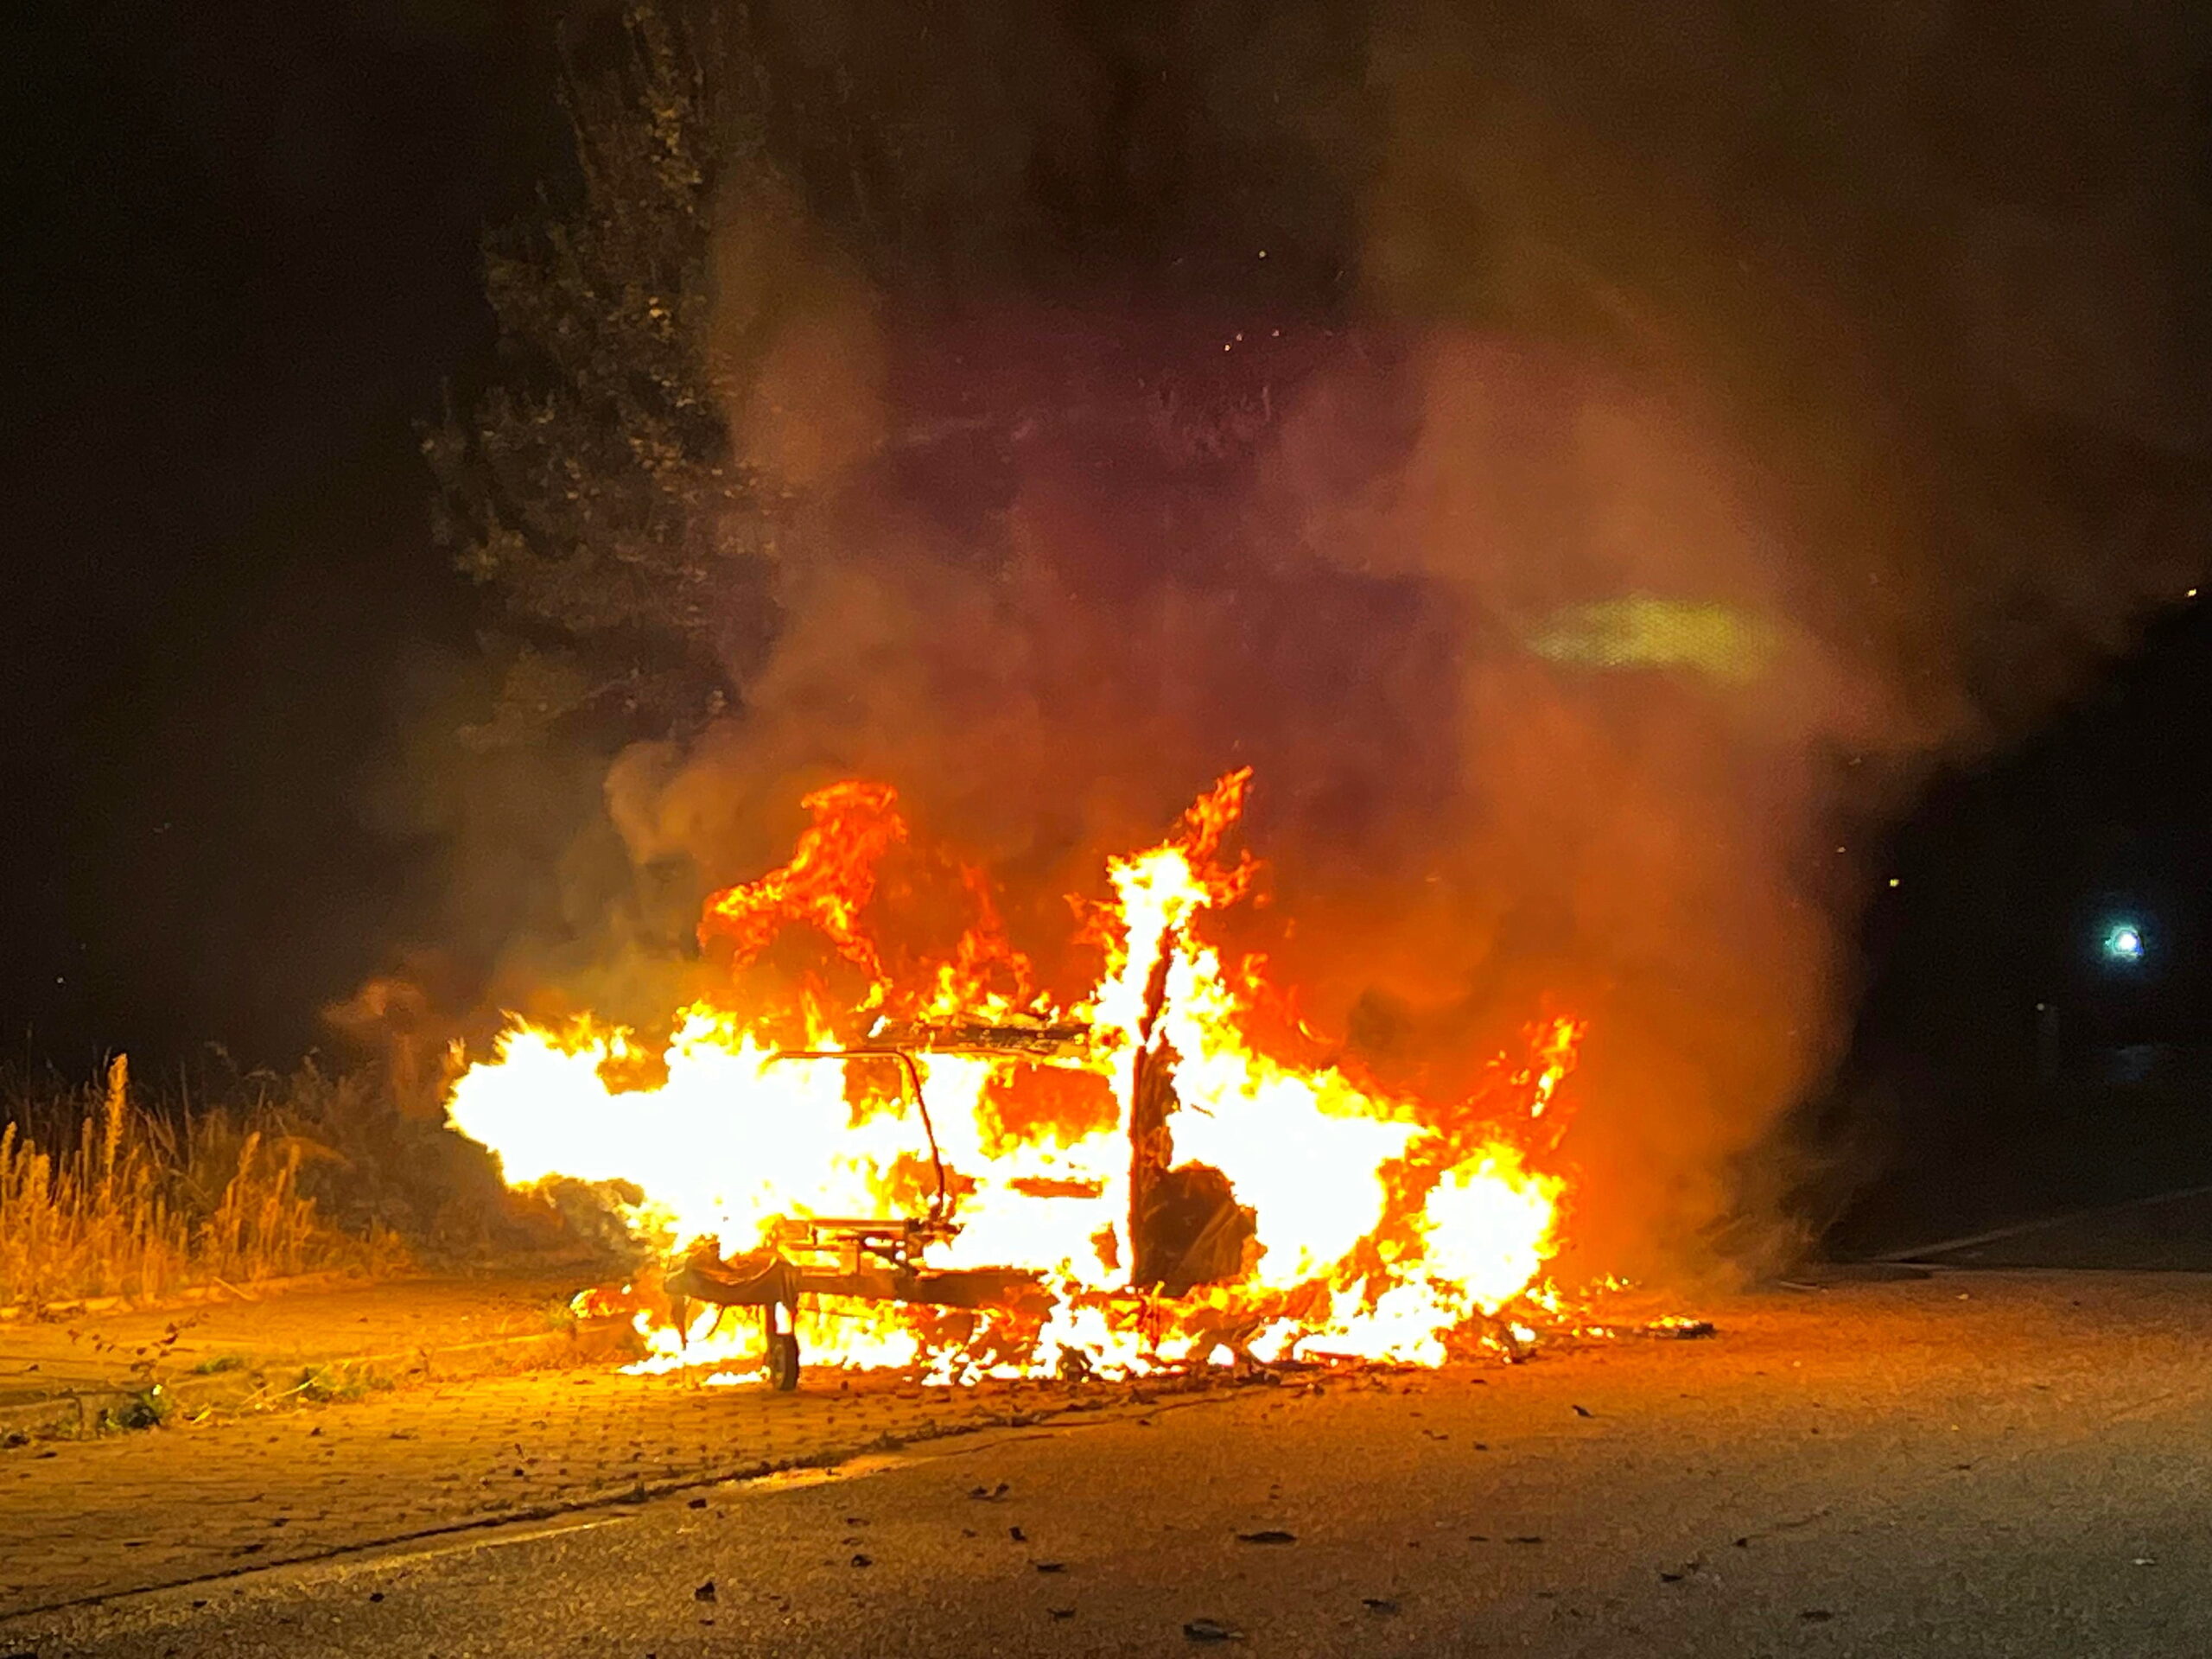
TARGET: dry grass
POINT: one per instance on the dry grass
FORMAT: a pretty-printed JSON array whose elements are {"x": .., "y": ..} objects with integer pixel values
[{"x": 141, "y": 1202}]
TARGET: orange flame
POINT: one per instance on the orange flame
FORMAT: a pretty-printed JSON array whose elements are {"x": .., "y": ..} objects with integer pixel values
[
  {"x": 1381, "y": 1226},
  {"x": 827, "y": 883}
]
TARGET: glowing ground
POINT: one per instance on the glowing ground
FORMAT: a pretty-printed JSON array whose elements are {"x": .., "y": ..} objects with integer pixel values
[{"x": 1968, "y": 1464}]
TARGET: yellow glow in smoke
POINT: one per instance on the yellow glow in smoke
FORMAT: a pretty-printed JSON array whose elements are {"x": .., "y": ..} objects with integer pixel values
[{"x": 1644, "y": 631}]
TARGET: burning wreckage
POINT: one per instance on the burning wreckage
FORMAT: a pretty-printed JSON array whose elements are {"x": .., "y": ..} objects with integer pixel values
[
  {"x": 1187, "y": 1227},
  {"x": 985, "y": 1183}
]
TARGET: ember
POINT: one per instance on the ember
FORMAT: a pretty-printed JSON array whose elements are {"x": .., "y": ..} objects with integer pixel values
[{"x": 966, "y": 1178}]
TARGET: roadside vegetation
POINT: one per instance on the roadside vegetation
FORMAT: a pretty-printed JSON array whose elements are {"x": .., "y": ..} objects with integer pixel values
[{"x": 231, "y": 1178}]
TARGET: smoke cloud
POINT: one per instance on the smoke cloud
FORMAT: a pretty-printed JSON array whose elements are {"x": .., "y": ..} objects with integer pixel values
[{"x": 1592, "y": 462}]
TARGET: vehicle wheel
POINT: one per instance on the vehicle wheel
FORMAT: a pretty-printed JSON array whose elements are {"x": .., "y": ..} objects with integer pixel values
[{"x": 783, "y": 1360}]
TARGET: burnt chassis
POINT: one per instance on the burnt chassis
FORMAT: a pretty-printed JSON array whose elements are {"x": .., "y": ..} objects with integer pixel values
[{"x": 870, "y": 1258}]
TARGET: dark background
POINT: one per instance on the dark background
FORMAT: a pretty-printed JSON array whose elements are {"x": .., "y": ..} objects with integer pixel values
[
  {"x": 243, "y": 258},
  {"x": 2001, "y": 1064}
]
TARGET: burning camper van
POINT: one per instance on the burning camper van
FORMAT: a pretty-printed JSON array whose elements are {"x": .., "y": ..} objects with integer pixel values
[{"x": 959, "y": 1174}]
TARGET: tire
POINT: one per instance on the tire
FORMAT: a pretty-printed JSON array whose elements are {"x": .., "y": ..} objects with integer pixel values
[{"x": 783, "y": 1360}]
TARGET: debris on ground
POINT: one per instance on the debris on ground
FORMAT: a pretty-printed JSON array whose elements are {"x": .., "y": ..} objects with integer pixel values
[
  {"x": 1269, "y": 1535},
  {"x": 1381, "y": 1606},
  {"x": 1211, "y": 1630}
]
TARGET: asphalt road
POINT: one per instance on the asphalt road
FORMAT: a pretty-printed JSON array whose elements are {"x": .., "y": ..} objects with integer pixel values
[{"x": 1963, "y": 1466}]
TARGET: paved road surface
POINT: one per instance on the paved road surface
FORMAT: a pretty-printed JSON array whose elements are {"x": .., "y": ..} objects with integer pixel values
[
  {"x": 1968, "y": 1464},
  {"x": 2170, "y": 1232},
  {"x": 124, "y": 1512},
  {"x": 258, "y": 1344}
]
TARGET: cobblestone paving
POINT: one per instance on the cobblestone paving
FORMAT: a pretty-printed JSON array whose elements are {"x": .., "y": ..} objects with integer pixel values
[
  {"x": 390, "y": 1325},
  {"x": 62, "y": 1377},
  {"x": 171, "y": 1505}
]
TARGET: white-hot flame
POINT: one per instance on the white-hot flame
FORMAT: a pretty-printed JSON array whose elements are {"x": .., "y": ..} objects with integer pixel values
[{"x": 1384, "y": 1228}]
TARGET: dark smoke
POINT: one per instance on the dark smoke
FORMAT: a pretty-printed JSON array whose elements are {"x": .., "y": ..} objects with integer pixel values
[{"x": 1593, "y": 462}]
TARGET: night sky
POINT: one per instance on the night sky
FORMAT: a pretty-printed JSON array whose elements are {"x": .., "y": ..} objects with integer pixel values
[{"x": 245, "y": 257}]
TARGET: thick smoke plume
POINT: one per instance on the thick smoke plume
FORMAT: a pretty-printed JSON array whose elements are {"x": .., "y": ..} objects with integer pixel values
[{"x": 1675, "y": 435}]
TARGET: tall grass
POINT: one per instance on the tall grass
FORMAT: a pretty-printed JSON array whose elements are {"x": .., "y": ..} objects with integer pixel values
[
  {"x": 141, "y": 1203},
  {"x": 108, "y": 1187}
]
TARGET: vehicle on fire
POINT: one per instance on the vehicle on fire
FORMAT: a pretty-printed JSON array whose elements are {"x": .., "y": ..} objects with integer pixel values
[{"x": 1184, "y": 1224}]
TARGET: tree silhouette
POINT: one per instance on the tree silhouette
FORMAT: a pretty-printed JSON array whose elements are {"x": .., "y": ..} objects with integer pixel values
[{"x": 594, "y": 483}]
